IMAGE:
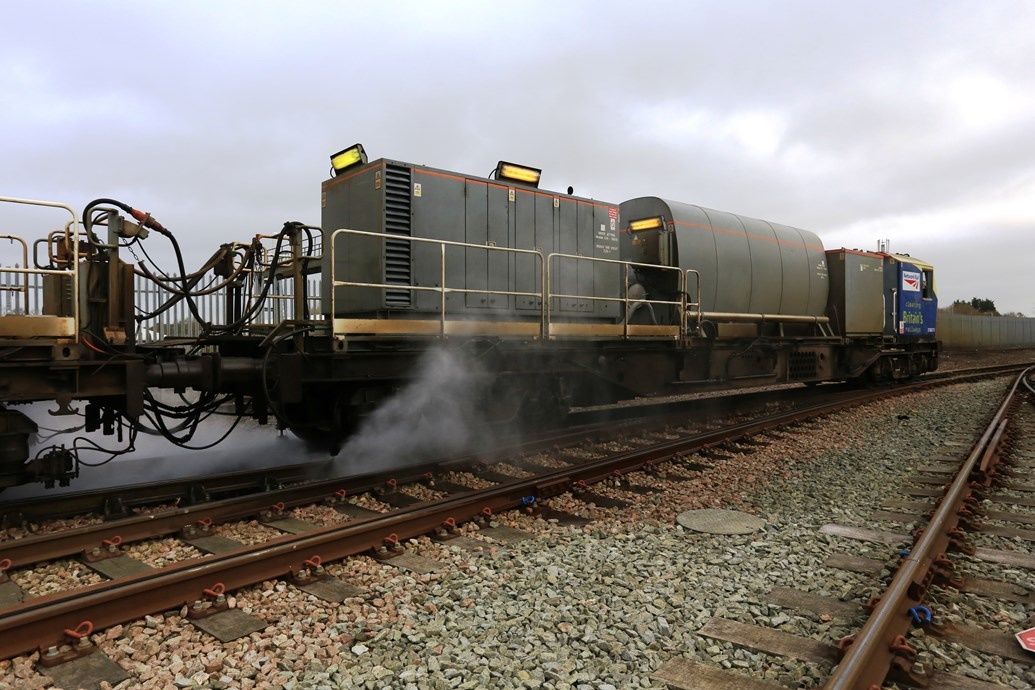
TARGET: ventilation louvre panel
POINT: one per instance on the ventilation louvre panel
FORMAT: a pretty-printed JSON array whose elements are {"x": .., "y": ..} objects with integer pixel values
[
  {"x": 398, "y": 221},
  {"x": 803, "y": 365}
]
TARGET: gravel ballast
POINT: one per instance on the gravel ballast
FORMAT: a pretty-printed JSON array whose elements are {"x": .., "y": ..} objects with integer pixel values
[{"x": 602, "y": 607}]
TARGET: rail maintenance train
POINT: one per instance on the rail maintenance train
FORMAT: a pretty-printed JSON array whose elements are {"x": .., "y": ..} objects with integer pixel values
[{"x": 557, "y": 300}]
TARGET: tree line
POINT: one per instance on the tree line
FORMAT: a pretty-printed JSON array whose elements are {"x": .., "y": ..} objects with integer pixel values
[{"x": 977, "y": 306}]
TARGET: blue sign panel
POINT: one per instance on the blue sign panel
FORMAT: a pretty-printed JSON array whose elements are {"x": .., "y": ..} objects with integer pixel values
[{"x": 917, "y": 303}]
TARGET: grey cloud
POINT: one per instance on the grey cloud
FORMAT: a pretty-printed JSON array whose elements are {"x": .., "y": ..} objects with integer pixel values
[{"x": 219, "y": 117}]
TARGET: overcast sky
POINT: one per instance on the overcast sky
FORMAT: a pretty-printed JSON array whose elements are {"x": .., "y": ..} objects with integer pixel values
[{"x": 910, "y": 121}]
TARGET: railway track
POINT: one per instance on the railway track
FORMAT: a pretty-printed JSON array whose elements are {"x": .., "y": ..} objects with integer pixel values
[
  {"x": 117, "y": 502},
  {"x": 885, "y": 649},
  {"x": 301, "y": 556}
]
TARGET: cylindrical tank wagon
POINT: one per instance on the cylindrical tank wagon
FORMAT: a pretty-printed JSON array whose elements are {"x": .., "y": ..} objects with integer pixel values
[{"x": 745, "y": 265}]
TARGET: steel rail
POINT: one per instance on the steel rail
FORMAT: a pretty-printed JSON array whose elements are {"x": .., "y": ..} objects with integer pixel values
[
  {"x": 880, "y": 647},
  {"x": 20, "y": 553},
  {"x": 23, "y": 552},
  {"x": 109, "y": 501},
  {"x": 39, "y": 622}
]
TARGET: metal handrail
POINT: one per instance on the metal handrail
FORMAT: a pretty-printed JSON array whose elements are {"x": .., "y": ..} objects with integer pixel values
[
  {"x": 441, "y": 289},
  {"x": 73, "y": 271},
  {"x": 626, "y": 300},
  {"x": 696, "y": 303},
  {"x": 24, "y": 288}
]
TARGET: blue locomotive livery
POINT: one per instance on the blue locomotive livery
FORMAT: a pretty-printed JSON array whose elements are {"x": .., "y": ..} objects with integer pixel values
[{"x": 913, "y": 302}]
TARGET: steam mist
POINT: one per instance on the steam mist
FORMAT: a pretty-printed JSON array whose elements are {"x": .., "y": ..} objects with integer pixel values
[
  {"x": 249, "y": 446},
  {"x": 436, "y": 414}
]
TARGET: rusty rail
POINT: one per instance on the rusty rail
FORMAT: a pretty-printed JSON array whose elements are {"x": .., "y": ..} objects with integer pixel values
[
  {"x": 40, "y": 622},
  {"x": 880, "y": 652}
]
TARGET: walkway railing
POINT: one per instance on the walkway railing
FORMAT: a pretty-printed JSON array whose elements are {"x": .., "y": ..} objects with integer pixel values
[{"x": 20, "y": 278}]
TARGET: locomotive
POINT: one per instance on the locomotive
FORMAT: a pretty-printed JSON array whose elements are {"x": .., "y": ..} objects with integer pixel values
[{"x": 550, "y": 301}]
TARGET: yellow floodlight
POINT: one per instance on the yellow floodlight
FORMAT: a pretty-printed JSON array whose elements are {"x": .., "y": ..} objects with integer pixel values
[
  {"x": 345, "y": 159},
  {"x": 646, "y": 224},
  {"x": 518, "y": 173}
]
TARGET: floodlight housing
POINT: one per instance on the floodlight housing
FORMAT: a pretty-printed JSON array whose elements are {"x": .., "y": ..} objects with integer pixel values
[
  {"x": 347, "y": 158},
  {"x": 518, "y": 173}
]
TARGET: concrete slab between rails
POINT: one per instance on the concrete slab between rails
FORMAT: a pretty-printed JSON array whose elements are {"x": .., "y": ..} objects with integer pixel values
[
  {"x": 475, "y": 546},
  {"x": 989, "y": 642},
  {"x": 496, "y": 477},
  {"x": 921, "y": 491},
  {"x": 415, "y": 564},
  {"x": 855, "y": 564},
  {"x": 120, "y": 566},
  {"x": 769, "y": 641},
  {"x": 816, "y": 603},
  {"x": 927, "y": 480},
  {"x": 1011, "y": 532},
  {"x": 450, "y": 488},
  {"x": 1014, "y": 558},
  {"x": 601, "y": 501},
  {"x": 788, "y": 645},
  {"x": 998, "y": 590},
  {"x": 290, "y": 525},
  {"x": 1014, "y": 501},
  {"x": 507, "y": 535},
  {"x": 918, "y": 507},
  {"x": 332, "y": 589},
  {"x": 947, "y": 467},
  {"x": 398, "y": 499},
  {"x": 229, "y": 625},
  {"x": 89, "y": 671},
  {"x": 639, "y": 489},
  {"x": 902, "y": 518},
  {"x": 11, "y": 593},
  {"x": 865, "y": 534},
  {"x": 1007, "y": 516},
  {"x": 972, "y": 585},
  {"x": 681, "y": 674},
  {"x": 950, "y": 681},
  {"x": 354, "y": 511},
  {"x": 214, "y": 544},
  {"x": 559, "y": 517}
]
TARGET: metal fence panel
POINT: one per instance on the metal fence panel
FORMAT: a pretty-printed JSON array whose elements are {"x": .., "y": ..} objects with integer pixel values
[{"x": 959, "y": 331}]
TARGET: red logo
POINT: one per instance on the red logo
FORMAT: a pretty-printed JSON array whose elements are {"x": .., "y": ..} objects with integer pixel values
[{"x": 1027, "y": 639}]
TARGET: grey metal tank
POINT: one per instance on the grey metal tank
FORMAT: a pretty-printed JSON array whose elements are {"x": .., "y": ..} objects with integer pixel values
[{"x": 747, "y": 266}]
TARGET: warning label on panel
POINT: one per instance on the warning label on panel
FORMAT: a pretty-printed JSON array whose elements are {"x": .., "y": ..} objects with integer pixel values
[{"x": 605, "y": 241}]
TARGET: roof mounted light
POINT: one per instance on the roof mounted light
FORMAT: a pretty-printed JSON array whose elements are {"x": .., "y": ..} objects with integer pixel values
[
  {"x": 346, "y": 158},
  {"x": 517, "y": 173},
  {"x": 646, "y": 224}
]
